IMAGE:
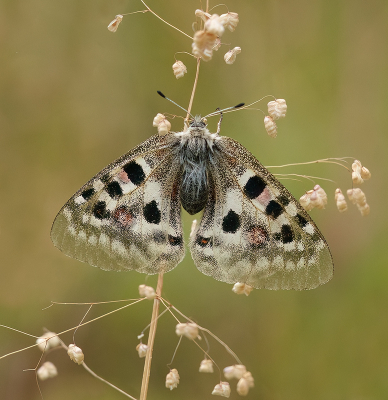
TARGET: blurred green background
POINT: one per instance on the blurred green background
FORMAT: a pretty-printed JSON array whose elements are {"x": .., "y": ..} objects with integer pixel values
[{"x": 73, "y": 97}]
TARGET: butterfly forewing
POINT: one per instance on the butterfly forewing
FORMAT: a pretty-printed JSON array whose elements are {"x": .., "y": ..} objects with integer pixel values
[
  {"x": 254, "y": 231},
  {"x": 128, "y": 216}
]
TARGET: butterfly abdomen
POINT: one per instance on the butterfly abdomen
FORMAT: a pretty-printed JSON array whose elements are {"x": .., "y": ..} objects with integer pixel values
[{"x": 194, "y": 158}]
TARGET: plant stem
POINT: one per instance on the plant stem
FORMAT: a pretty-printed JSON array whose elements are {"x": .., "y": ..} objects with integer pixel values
[
  {"x": 151, "y": 339},
  {"x": 193, "y": 91}
]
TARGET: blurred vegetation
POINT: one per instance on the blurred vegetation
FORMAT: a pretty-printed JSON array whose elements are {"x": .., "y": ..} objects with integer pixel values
[{"x": 73, "y": 97}]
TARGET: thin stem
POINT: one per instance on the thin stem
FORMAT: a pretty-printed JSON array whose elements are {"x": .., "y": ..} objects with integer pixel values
[
  {"x": 172, "y": 26},
  {"x": 151, "y": 339},
  {"x": 193, "y": 91}
]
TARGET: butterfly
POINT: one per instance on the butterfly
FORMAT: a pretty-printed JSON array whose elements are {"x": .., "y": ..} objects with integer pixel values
[{"x": 253, "y": 231}]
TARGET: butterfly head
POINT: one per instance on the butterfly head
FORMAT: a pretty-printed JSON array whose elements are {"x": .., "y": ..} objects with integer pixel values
[{"x": 198, "y": 122}]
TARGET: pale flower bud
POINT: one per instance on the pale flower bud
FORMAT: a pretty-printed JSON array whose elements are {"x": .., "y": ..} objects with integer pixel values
[
  {"x": 318, "y": 198},
  {"x": 142, "y": 349},
  {"x": 229, "y": 20},
  {"x": 277, "y": 109},
  {"x": 172, "y": 379},
  {"x": 115, "y": 23},
  {"x": 356, "y": 173},
  {"x": 245, "y": 383},
  {"x": 365, "y": 174},
  {"x": 340, "y": 200},
  {"x": 189, "y": 329},
  {"x": 213, "y": 25},
  {"x": 75, "y": 354},
  {"x": 203, "y": 45},
  {"x": 364, "y": 209},
  {"x": 270, "y": 126},
  {"x": 206, "y": 366},
  {"x": 235, "y": 371},
  {"x": 357, "y": 196},
  {"x": 179, "y": 69},
  {"x": 202, "y": 14},
  {"x": 230, "y": 56},
  {"x": 46, "y": 371},
  {"x": 54, "y": 341},
  {"x": 147, "y": 291},
  {"x": 305, "y": 200},
  {"x": 163, "y": 125},
  {"x": 242, "y": 288},
  {"x": 222, "y": 389}
]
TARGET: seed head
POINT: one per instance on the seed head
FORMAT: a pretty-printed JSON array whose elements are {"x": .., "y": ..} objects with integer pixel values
[
  {"x": 229, "y": 20},
  {"x": 163, "y": 125},
  {"x": 315, "y": 198},
  {"x": 245, "y": 383},
  {"x": 115, "y": 23},
  {"x": 340, "y": 200},
  {"x": 222, "y": 389},
  {"x": 203, "y": 45},
  {"x": 189, "y": 329},
  {"x": 357, "y": 197},
  {"x": 214, "y": 25},
  {"x": 142, "y": 349},
  {"x": 234, "y": 371},
  {"x": 365, "y": 174},
  {"x": 206, "y": 366},
  {"x": 202, "y": 14},
  {"x": 50, "y": 338},
  {"x": 230, "y": 56},
  {"x": 270, "y": 126},
  {"x": 75, "y": 353},
  {"x": 46, "y": 371},
  {"x": 277, "y": 109},
  {"x": 172, "y": 379},
  {"x": 147, "y": 291},
  {"x": 179, "y": 70},
  {"x": 242, "y": 288}
]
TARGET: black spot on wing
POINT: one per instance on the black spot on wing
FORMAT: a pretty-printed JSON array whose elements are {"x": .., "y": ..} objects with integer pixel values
[
  {"x": 287, "y": 234},
  {"x": 134, "y": 172},
  {"x": 175, "y": 240},
  {"x": 100, "y": 211},
  {"x": 300, "y": 220},
  {"x": 88, "y": 193},
  {"x": 283, "y": 200},
  {"x": 203, "y": 242},
  {"x": 231, "y": 222},
  {"x": 114, "y": 190},
  {"x": 152, "y": 213},
  {"x": 273, "y": 209},
  {"x": 254, "y": 187}
]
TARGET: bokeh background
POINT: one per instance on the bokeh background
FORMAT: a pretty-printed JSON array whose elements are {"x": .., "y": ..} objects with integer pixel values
[{"x": 73, "y": 97}]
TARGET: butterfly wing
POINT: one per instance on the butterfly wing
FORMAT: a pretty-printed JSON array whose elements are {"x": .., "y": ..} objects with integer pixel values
[
  {"x": 128, "y": 216},
  {"x": 254, "y": 231}
]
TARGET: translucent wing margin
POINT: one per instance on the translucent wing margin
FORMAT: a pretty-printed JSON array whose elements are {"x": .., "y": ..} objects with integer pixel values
[
  {"x": 128, "y": 217},
  {"x": 254, "y": 231}
]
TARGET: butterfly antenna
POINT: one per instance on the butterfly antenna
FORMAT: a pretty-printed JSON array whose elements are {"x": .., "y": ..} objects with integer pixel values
[
  {"x": 218, "y": 111},
  {"x": 173, "y": 102}
]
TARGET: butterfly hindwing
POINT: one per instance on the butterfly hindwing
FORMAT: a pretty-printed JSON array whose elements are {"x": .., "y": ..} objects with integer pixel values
[
  {"x": 254, "y": 231},
  {"x": 128, "y": 217}
]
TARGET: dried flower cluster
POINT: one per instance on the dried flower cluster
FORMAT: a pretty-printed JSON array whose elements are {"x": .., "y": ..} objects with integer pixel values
[
  {"x": 245, "y": 379},
  {"x": 206, "y": 366},
  {"x": 315, "y": 198},
  {"x": 172, "y": 379},
  {"x": 46, "y": 371},
  {"x": 179, "y": 69},
  {"x": 276, "y": 109},
  {"x": 357, "y": 197},
  {"x": 112, "y": 27},
  {"x": 242, "y": 288},
  {"x": 230, "y": 56},
  {"x": 222, "y": 389},
  {"x": 75, "y": 353},
  {"x": 142, "y": 348},
  {"x": 147, "y": 291},
  {"x": 189, "y": 329},
  {"x": 48, "y": 341},
  {"x": 208, "y": 39},
  {"x": 163, "y": 125}
]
